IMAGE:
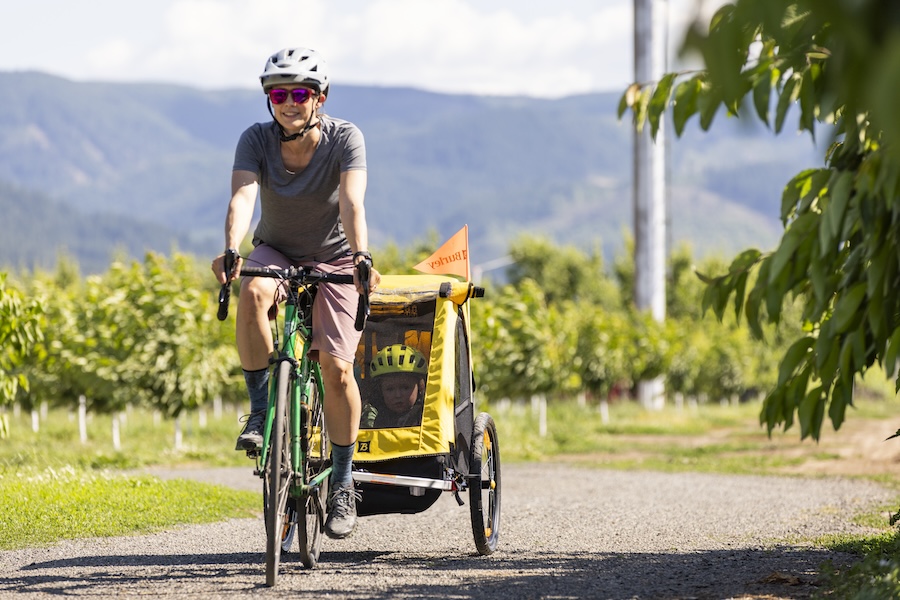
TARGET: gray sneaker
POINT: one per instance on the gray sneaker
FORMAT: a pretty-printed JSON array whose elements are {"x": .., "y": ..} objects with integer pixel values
[
  {"x": 252, "y": 436},
  {"x": 342, "y": 511}
]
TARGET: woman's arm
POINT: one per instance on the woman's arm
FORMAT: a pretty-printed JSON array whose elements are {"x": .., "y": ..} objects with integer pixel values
[
  {"x": 351, "y": 196},
  {"x": 244, "y": 188}
]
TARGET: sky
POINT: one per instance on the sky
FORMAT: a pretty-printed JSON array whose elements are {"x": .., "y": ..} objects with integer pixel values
[{"x": 546, "y": 48}]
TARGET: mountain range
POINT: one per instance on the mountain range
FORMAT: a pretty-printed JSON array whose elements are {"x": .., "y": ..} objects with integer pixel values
[{"x": 92, "y": 169}]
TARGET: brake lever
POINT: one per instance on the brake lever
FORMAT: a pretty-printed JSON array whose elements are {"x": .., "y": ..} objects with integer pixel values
[
  {"x": 225, "y": 291},
  {"x": 362, "y": 312}
]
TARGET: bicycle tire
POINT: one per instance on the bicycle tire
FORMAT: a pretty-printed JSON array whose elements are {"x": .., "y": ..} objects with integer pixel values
[
  {"x": 484, "y": 484},
  {"x": 278, "y": 476},
  {"x": 311, "y": 508}
]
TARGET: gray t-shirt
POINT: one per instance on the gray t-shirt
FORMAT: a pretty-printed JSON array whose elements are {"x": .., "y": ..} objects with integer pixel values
[{"x": 300, "y": 216}]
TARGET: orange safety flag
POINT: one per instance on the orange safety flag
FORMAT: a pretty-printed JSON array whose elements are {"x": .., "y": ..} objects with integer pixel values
[{"x": 450, "y": 259}]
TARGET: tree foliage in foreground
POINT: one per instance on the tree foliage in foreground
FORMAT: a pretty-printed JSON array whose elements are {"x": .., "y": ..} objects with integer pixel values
[{"x": 838, "y": 63}]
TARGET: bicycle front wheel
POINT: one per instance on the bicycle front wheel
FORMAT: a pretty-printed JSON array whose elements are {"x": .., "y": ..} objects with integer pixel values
[
  {"x": 311, "y": 508},
  {"x": 278, "y": 476}
]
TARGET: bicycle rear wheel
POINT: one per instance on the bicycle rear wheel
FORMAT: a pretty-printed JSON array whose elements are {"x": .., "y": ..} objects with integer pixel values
[
  {"x": 311, "y": 508},
  {"x": 484, "y": 484},
  {"x": 278, "y": 476}
]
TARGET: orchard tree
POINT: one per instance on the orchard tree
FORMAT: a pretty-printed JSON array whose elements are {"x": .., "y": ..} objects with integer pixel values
[
  {"x": 20, "y": 330},
  {"x": 605, "y": 349},
  {"x": 141, "y": 334},
  {"x": 182, "y": 357},
  {"x": 838, "y": 63},
  {"x": 563, "y": 272},
  {"x": 525, "y": 345}
]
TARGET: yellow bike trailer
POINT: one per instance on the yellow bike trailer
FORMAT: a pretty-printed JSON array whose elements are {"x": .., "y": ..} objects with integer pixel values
[{"x": 405, "y": 460}]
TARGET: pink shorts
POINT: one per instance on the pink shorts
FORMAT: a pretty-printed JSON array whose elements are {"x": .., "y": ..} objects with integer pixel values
[{"x": 334, "y": 310}]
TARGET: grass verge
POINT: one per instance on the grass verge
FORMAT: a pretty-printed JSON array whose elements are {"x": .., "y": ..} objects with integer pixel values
[
  {"x": 875, "y": 577},
  {"x": 42, "y": 507},
  {"x": 145, "y": 439}
]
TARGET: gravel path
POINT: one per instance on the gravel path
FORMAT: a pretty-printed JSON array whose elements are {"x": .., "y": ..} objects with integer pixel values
[{"x": 567, "y": 532}]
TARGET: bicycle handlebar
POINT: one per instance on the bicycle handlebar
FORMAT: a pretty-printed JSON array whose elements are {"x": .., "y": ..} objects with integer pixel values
[{"x": 301, "y": 275}]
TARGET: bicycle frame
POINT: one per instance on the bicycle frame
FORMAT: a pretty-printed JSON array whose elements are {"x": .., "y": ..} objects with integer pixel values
[{"x": 306, "y": 373}]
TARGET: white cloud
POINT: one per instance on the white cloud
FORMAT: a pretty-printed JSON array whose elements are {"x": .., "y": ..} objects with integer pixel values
[
  {"x": 114, "y": 55},
  {"x": 467, "y": 46},
  {"x": 462, "y": 46}
]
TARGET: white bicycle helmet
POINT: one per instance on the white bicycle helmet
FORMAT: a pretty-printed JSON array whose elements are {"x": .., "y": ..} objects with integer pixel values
[{"x": 296, "y": 65}]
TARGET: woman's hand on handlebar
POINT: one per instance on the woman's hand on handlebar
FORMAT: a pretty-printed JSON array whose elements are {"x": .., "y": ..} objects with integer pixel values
[
  {"x": 374, "y": 280},
  {"x": 219, "y": 266}
]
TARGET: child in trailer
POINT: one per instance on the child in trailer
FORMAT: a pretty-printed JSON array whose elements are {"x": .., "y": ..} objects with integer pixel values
[{"x": 398, "y": 373}]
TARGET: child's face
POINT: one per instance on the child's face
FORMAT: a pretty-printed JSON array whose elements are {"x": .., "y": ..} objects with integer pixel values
[{"x": 399, "y": 391}]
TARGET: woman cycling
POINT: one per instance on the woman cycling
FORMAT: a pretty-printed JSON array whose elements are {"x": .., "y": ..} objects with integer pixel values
[{"x": 309, "y": 171}]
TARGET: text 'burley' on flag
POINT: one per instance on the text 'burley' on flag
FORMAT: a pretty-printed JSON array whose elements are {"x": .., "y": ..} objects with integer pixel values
[{"x": 450, "y": 259}]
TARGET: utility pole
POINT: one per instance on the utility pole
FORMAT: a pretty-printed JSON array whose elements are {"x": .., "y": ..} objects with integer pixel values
[{"x": 650, "y": 50}]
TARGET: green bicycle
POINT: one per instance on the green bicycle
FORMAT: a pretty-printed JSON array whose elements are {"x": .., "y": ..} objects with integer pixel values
[{"x": 293, "y": 461}]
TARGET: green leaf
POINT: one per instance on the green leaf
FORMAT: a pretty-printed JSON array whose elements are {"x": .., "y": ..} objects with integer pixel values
[
  {"x": 827, "y": 354},
  {"x": 837, "y": 410},
  {"x": 762, "y": 92},
  {"x": 845, "y": 359},
  {"x": 808, "y": 99},
  {"x": 802, "y": 186},
  {"x": 810, "y": 413},
  {"x": 787, "y": 97},
  {"x": 818, "y": 276},
  {"x": 773, "y": 411},
  {"x": 708, "y": 102},
  {"x": 891, "y": 353},
  {"x": 686, "y": 94},
  {"x": 815, "y": 188},
  {"x": 839, "y": 197},
  {"x": 628, "y": 98},
  {"x": 860, "y": 356},
  {"x": 745, "y": 260},
  {"x": 875, "y": 315},
  {"x": 640, "y": 108},
  {"x": 775, "y": 294},
  {"x": 796, "y": 233},
  {"x": 751, "y": 312},
  {"x": 716, "y": 296},
  {"x": 755, "y": 298},
  {"x": 705, "y": 278},
  {"x": 659, "y": 101},
  {"x": 795, "y": 355},
  {"x": 843, "y": 391},
  {"x": 739, "y": 294},
  {"x": 846, "y": 307}
]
